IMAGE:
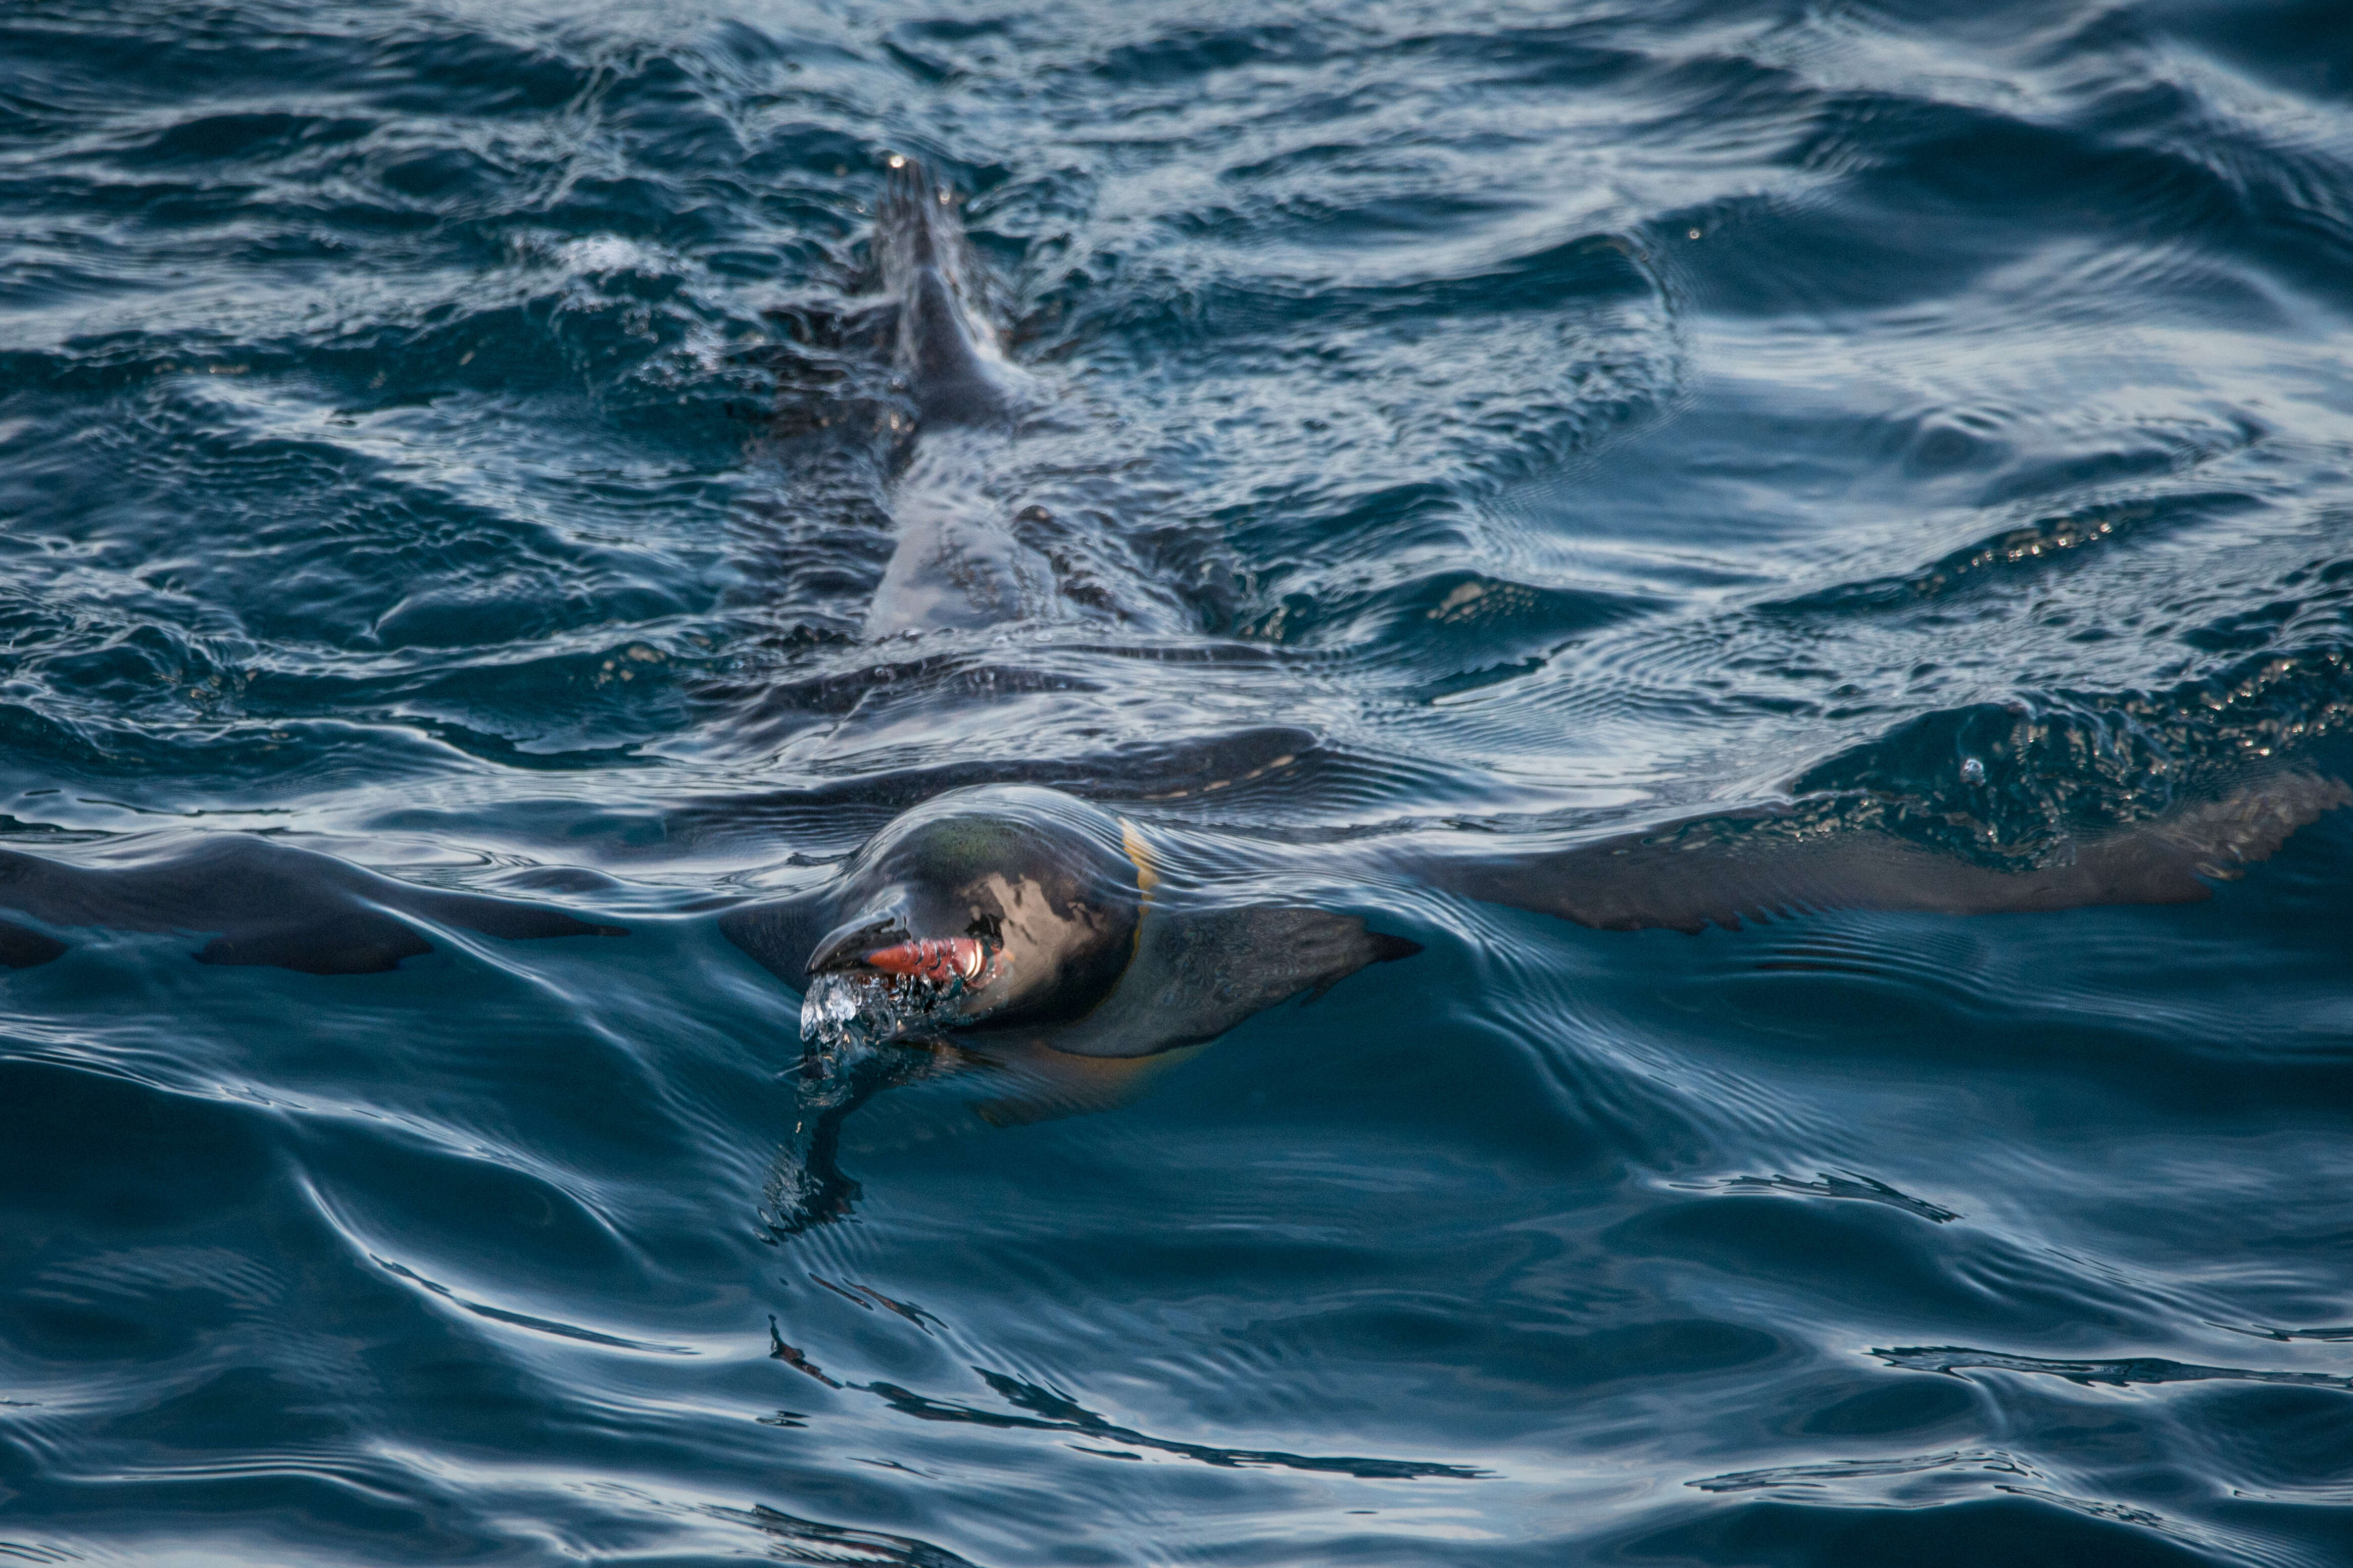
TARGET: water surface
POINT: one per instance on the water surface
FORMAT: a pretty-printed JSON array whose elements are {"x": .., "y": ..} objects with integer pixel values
[{"x": 455, "y": 436}]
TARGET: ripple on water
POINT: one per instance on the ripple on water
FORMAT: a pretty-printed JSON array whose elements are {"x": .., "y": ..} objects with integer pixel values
[{"x": 468, "y": 438}]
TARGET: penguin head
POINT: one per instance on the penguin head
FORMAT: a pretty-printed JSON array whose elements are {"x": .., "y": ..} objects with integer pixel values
[{"x": 1022, "y": 901}]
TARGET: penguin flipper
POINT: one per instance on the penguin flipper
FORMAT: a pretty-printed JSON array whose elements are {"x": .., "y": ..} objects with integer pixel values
[
  {"x": 1725, "y": 871},
  {"x": 261, "y": 902}
]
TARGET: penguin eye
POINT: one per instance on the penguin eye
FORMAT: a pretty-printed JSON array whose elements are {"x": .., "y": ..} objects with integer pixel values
[{"x": 990, "y": 929}]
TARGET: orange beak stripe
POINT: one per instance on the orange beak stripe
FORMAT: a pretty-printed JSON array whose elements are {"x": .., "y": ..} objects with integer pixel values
[{"x": 936, "y": 959}]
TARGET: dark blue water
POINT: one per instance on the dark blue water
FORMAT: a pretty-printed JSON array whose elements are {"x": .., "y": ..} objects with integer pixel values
[{"x": 451, "y": 436}]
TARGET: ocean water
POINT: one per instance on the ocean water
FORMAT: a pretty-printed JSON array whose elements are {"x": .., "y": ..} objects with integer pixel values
[{"x": 457, "y": 436}]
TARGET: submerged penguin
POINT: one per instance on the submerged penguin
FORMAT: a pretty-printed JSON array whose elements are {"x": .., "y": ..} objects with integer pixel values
[
  {"x": 1033, "y": 916},
  {"x": 1021, "y": 924}
]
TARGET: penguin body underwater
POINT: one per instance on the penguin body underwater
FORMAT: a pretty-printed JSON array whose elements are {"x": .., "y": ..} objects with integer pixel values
[{"x": 1015, "y": 921}]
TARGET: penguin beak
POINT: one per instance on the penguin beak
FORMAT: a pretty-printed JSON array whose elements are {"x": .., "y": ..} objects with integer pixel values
[
  {"x": 940, "y": 959},
  {"x": 883, "y": 947}
]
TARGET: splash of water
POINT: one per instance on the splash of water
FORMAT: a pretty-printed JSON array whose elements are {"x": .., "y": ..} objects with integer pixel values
[
  {"x": 847, "y": 1022},
  {"x": 846, "y": 1019}
]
